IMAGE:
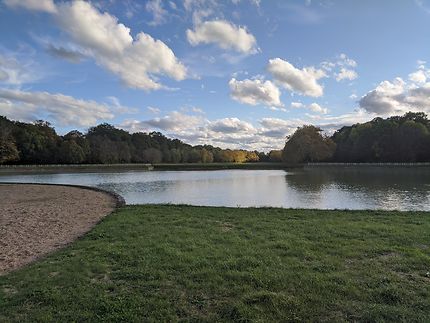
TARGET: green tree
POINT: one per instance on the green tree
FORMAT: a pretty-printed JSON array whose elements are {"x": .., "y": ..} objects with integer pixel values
[
  {"x": 307, "y": 144},
  {"x": 71, "y": 153},
  {"x": 275, "y": 156}
]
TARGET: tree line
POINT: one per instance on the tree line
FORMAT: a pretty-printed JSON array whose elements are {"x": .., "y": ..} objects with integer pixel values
[
  {"x": 396, "y": 139},
  {"x": 38, "y": 143}
]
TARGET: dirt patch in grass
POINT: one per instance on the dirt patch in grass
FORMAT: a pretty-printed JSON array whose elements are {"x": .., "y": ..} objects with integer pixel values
[{"x": 37, "y": 219}]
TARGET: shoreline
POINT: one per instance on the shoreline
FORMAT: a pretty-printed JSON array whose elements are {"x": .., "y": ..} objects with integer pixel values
[
  {"x": 38, "y": 219},
  {"x": 98, "y": 168}
]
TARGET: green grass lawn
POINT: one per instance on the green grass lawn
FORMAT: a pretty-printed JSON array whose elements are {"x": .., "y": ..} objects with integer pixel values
[{"x": 173, "y": 263}]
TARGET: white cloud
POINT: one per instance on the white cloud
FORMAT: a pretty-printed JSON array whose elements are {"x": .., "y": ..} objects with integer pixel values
[
  {"x": 342, "y": 68},
  {"x": 344, "y": 60},
  {"x": 136, "y": 61},
  {"x": 331, "y": 123},
  {"x": 278, "y": 129},
  {"x": 297, "y": 105},
  {"x": 92, "y": 29},
  {"x": 231, "y": 125},
  {"x": 303, "y": 81},
  {"x": 397, "y": 97},
  {"x": 36, "y": 5},
  {"x": 62, "y": 109},
  {"x": 254, "y": 2},
  {"x": 255, "y": 92},
  {"x": 159, "y": 13},
  {"x": 224, "y": 34},
  {"x": 175, "y": 121},
  {"x": 112, "y": 46},
  {"x": 419, "y": 76},
  {"x": 266, "y": 134},
  {"x": 234, "y": 133},
  {"x": 328, "y": 66},
  {"x": 315, "y": 107},
  {"x": 346, "y": 74}
]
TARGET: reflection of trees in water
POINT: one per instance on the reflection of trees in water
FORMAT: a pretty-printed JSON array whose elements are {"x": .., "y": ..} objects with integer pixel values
[
  {"x": 380, "y": 184},
  {"x": 307, "y": 181}
]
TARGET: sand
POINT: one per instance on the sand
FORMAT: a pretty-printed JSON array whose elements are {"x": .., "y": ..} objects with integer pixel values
[{"x": 38, "y": 219}]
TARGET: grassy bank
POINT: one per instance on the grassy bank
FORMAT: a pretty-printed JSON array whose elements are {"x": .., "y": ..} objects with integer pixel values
[
  {"x": 22, "y": 169},
  {"x": 169, "y": 263},
  {"x": 63, "y": 168}
]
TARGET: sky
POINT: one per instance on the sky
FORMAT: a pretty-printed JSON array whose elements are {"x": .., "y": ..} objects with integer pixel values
[{"x": 232, "y": 73}]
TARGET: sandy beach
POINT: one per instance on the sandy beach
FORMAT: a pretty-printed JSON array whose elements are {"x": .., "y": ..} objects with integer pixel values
[{"x": 38, "y": 219}]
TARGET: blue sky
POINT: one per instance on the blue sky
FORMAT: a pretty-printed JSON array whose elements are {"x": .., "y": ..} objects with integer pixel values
[{"x": 232, "y": 73}]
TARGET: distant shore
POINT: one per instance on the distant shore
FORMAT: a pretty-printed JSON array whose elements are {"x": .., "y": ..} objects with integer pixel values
[
  {"x": 7, "y": 169},
  {"x": 90, "y": 168}
]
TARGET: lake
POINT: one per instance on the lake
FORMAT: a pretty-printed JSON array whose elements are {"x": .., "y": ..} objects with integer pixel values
[{"x": 388, "y": 188}]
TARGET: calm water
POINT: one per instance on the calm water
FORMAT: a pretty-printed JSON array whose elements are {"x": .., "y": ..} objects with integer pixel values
[{"x": 324, "y": 188}]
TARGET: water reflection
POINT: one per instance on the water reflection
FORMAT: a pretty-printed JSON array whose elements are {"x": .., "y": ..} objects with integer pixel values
[{"x": 325, "y": 188}]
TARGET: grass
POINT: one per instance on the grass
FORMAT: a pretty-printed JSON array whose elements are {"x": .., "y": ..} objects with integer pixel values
[
  {"x": 72, "y": 168},
  {"x": 183, "y": 263}
]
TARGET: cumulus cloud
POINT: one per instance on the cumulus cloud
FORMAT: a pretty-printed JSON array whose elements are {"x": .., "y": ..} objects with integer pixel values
[
  {"x": 231, "y": 125},
  {"x": 112, "y": 46},
  {"x": 397, "y": 97},
  {"x": 62, "y": 109},
  {"x": 224, "y": 34},
  {"x": 303, "y": 81},
  {"x": 255, "y": 92},
  {"x": 137, "y": 61},
  {"x": 36, "y": 5},
  {"x": 92, "y": 29}
]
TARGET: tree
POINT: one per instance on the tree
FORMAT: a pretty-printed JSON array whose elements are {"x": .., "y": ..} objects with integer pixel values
[
  {"x": 71, "y": 153},
  {"x": 206, "y": 156},
  {"x": 307, "y": 144},
  {"x": 8, "y": 150},
  {"x": 396, "y": 139},
  {"x": 152, "y": 155},
  {"x": 275, "y": 156}
]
